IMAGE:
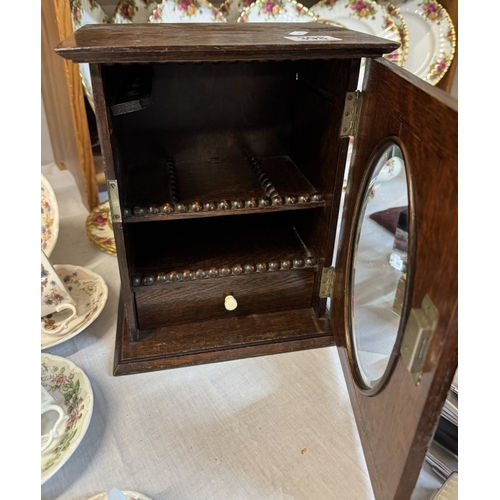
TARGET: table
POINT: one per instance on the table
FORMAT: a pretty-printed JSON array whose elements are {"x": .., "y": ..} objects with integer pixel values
[{"x": 273, "y": 427}]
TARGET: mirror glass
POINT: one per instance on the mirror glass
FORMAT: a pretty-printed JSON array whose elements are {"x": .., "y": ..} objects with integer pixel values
[{"x": 379, "y": 265}]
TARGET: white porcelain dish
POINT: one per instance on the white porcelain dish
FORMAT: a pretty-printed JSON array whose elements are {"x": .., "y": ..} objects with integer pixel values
[
  {"x": 432, "y": 38},
  {"x": 276, "y": 11},
  {"x": 89, "y": 291},
  {"x": 130, "y": 495},
  {"x": 365, "y": 16},
  {"x": 70, "y": 387},
  {"x": 50, "y": 217},
  {"x": 186, "y": 11}
]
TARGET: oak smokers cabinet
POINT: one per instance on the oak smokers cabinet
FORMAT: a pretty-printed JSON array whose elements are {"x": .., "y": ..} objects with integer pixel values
[{"x": 225, "y": 151}]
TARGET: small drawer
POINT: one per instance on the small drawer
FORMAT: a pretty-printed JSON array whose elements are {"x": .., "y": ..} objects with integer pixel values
[{"x": 198, "y": 300}]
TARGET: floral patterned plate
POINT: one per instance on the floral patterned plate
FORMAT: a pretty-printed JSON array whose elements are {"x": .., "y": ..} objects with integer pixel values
[
  {"x": 50, "y": 217},
  {"x": 186, "y": 11},
  {"x": 133, "y": 11},
  {"x": 87, "y": 12},
  {"x": 129, "y": 495},
  {"x": 90, "y": 293},
  {"x": 99, "y": 228},
  {"x": 366, "y": 16},
  {"x": 276, "y": 11},
  {"x": 71, "y": 388},
  {"x": 432, "y": 38},
  {"x": 399, "y": 21}
]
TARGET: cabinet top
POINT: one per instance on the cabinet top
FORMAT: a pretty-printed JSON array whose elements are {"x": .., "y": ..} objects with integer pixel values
[{"x": 183, "y": 42}]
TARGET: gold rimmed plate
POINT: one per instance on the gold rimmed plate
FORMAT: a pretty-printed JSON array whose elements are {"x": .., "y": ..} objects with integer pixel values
[
  {"x": 365, "y": 16},
  {"x": 99, "y": 228},
  {"x": 432, "y": 38}
]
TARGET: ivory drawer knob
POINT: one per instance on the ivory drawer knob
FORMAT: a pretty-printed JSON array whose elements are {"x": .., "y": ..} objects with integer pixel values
[{"x": 230, "y": 303}]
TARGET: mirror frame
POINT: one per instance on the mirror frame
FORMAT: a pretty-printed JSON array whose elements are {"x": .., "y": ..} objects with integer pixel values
[{"x": 412, "y": 246}]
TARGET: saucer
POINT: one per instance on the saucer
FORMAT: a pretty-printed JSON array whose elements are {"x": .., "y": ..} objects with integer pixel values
[
  {"x": 71, "y": 388},
  {"x": 90, "y": 293},
  {"x": 50, "y": 217},
  {"x": 99, "y": 228},
  {"x": 131, "y": 495}
]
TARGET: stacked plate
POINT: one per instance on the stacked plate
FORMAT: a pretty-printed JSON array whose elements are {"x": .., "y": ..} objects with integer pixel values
[
  {"x": 432, "y": 38},
  {"x": 276, "y": 11},
  {"x": 443, "y": 452},
  {"x": 423, "y": 27},
  {"x": 370, "y": 17}
]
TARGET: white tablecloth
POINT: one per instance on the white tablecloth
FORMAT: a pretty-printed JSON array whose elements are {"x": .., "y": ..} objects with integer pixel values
[{"x": 274, "y": 427}]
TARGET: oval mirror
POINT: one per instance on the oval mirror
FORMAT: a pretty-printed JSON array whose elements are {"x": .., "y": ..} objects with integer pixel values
[{"x": 379, "y": 266}]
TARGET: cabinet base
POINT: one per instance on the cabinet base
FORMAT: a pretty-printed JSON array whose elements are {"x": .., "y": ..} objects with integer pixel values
[{"x": 218, "y": 340}]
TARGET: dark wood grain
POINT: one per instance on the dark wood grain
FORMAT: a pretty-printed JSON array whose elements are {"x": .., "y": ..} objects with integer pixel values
[
  {"x": 112, "y": 169},
  {"x": 230, "y": 114},
  {"x": 227, "y": 129},
  {"x": 203, "y": 300},
  {"x": 202, "y": 186},
  {"x": 397, "y": 419},
  {"x": 218, "y": 340},
  {"x": 191, "y": 142},
  {"x": 215, "y": 42}
]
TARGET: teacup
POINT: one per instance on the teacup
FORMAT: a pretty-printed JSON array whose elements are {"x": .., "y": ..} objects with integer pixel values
[
  {"x": 53, "y": 415},
  {"x": 55, "y": 298},
  {"x": 391, "y": 169}
]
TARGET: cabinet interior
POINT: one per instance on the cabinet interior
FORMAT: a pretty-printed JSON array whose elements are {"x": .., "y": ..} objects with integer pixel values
[{"x": 229, "y": 177}]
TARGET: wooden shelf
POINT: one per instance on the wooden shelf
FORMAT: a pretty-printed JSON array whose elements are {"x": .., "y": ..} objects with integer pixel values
[
  {"x": 231, "y": 246},
  {"x": 163, "y": 189}
]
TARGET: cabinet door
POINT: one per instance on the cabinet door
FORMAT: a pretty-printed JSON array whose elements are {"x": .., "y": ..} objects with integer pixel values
[{"x": 396, "y": 410}]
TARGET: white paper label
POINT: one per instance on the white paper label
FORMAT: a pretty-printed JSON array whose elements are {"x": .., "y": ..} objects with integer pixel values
[
  {"x": 298, "y": 33},
  {"x": 313, "y": 38}
]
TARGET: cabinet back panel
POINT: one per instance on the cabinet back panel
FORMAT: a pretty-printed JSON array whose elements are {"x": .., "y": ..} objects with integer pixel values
[
  {"x": 208, "y": 116},
  {"x": 225, "y": 110},
  {"x": 226, "y": 241},
  {"x": 212, "y": 109}
]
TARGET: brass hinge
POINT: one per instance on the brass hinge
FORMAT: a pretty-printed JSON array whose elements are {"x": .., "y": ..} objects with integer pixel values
[
  {"x": 419, "y": 330},
  {"x": 114, "y": 201},
  {"x": 351, "y": 116},
  {"x": 327, "y": 281}
]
